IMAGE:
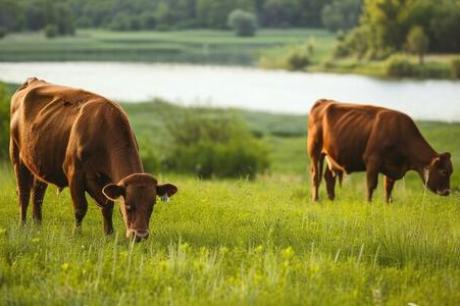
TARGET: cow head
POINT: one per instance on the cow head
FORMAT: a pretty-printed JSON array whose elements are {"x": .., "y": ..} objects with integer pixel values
[
  {"x": 437, "y": 174},
  {"x": 138, "y": 193}
]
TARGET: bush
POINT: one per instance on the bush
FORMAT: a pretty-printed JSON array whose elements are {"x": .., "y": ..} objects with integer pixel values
[
  {"x": 399, "y": 66},
  {"x": 216, "y": 146},
  {"x": 297, "y": 59},
  {"x": 4, "y": 122},
  {"x": 244, "y": 23},
  {"x": 3, "y": 32},
  {"x": 455, "y": 68},
  {"x": 418, "y": 42},
  {"x": 51, "y": 31},
  {"x": 149, "y": 157}
]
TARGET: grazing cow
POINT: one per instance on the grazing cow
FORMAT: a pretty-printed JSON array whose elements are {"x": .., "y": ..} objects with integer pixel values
[
  {"x": 71, "y": 137},
  {"x": 373, "y": 139}
]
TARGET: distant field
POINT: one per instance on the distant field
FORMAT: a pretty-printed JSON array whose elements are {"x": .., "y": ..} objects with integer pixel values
[{"x": 191, "y": 46}]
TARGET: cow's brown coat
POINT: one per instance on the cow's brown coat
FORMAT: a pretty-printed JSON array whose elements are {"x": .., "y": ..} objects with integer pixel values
[
  {"x": 71, "y": 137},
  {"x": 374, "y": 139}
]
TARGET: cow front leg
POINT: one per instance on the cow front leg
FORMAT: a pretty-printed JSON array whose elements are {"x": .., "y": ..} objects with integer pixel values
[
  {"x": 77, "y": 192},
  {"x": 95, "y": 190},
  {"x": 330, "y": 183},
  {"x": 39, "y": 190},
  {"x": 389, "y": 184},
  {"x": 372, "y": 173}
]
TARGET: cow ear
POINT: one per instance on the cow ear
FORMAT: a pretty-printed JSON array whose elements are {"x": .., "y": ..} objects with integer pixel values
[
  {"x": 445, "y": 156},
  {"x": 113, "y": 192},
  {"x": 165, "y": 191},
  {"x": 436, "y": 161}
]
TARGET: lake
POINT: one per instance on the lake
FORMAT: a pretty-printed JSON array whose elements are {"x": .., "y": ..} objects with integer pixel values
[{"x": 249, "y": 88}]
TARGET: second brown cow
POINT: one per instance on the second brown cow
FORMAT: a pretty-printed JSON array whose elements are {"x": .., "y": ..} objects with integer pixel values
[{"x": 373, "y": 139}]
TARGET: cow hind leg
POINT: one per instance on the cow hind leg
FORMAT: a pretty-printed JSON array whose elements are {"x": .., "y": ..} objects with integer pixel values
[
  {"x": 39, "y": 190},
  {"x": 389, "y": 184},
  {"x": 316, "y": 171},
  {"x": 24, "y": 180},
  {"x": 330, "y": 183}
]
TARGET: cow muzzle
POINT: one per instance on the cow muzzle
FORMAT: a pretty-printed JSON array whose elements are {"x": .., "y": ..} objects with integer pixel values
[
  {"x": 444, "y": 192},
  {"x": 137, "y": 235}
]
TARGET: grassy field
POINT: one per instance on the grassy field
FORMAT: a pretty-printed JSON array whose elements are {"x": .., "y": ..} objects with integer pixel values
[
  {"x": 191, "y": 46},
  {"x": 231, "y": 242}
]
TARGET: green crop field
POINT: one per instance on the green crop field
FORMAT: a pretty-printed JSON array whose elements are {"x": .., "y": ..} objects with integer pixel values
[
  {"x": 240, "y": 242},
  {"x": 199, "y": 46}
]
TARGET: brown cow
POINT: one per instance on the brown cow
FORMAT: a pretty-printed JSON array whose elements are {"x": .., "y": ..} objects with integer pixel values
[
  {"x": 71, "y": 137},
  {"x": 373, "y": 139}
]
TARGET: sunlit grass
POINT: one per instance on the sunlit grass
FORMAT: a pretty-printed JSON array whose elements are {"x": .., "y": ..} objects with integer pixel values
[{"x": 240, "y": 242}]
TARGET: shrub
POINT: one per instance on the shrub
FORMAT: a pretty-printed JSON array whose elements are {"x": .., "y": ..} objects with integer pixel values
[
  {"x": 455, "y": 68},
  {"x": 417, "y": 42},
  {"x": 51, "y": 31},
  {"x": 244, "y": 23},
  {"x": 4, "y": 122},
  {"x": 3, "y": 32},
  {"x": 297, "y": 59},
  {"x": 216, "y": 146},
  {"x": 149, "y": 157},
  {"x": 399, "y": 66}
]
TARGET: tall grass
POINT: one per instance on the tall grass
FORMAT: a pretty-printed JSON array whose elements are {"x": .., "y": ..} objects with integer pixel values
[{"x": 240, "y": 242}]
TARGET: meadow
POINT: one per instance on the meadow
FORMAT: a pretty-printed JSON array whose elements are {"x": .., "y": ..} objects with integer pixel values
[
  {"x": 190, "y": 46},
  {"x": 260, "y": 242}
]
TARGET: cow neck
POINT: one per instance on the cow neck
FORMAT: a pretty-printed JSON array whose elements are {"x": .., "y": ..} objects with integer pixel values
[
  {"x": 124, "y": 162},
  {"x": 421, "y": 156}
]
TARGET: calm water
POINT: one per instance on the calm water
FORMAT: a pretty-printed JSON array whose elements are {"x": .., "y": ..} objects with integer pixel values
[{"x": 249, "y": 88}]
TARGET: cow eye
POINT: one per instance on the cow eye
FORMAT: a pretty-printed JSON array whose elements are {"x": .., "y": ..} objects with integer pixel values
[
  {"x": 443, "y": 172},
  {"x": 129, "y": 207}
]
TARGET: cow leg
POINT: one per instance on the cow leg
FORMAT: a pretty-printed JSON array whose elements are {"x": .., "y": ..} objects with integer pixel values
[
  {"x": 77, "y": 192},
  {"x": 95, "y": 190},
  {"x": 316, "y": 171},
  {"x": 39, "y": 189},
  {"x": 372, "y": 171},
  {"x": 389, "y": 184},
  {"x": 24, "y": 179},
  {"x": 330, "y": 183}
]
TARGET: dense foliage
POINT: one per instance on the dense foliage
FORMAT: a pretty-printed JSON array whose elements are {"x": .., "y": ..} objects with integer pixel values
[
  {"x": 4, "y": 122},
  {"x": 244, "y": 23},
  {"x": 213, "y": 146},
  {"x": 16, "y": 15},
  {"x": 341, "y": 14},
  {"x": 385, "y": 26}
]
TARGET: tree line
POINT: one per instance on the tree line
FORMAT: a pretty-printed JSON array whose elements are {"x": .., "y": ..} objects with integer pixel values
[
  {"x": 418, "y": 26},
  {"x": 66, "y": 15}
]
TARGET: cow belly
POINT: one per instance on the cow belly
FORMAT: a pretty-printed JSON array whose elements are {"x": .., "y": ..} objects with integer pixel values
[
  {"x": 45, "y": 158},
  {"x": 348, "y": 164}
]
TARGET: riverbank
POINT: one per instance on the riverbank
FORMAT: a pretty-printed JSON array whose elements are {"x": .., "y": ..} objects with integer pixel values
[
  {"x": 187, "y": 46},
  {"x": 269, "y": 49}
]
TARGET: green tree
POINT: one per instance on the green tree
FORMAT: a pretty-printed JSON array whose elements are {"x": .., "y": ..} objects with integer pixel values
[
  {"x": 244, "y": 23},
  {"x": 341, "y": 15},
  {"x": 4, "y": 122},
  {"x": 278, "y": 13},
  {"x": 418, "y": 42}
]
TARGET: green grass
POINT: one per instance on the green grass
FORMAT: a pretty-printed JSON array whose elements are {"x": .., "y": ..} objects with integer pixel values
[
  {"x": 195, "y": 46},
  {"x": 238, "y": 242}
]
